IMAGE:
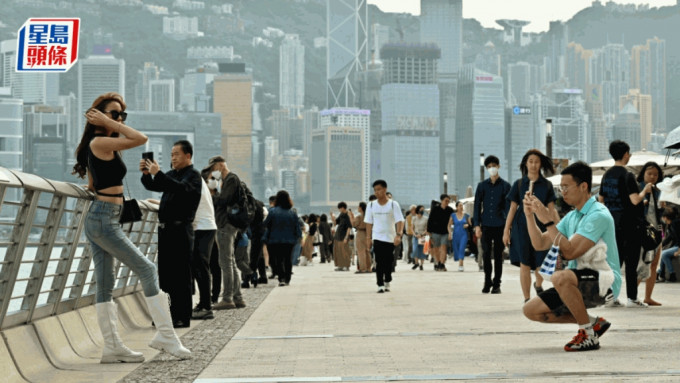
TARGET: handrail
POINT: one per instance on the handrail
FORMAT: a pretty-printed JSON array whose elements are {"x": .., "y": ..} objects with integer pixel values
[{"x": 46, "y": 264}]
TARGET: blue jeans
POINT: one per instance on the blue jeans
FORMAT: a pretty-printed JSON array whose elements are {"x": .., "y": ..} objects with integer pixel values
[
  {"x": 295, "y": 255},
  {"x": 667, "y": 258},
  {"x": 107, "y": 242}
]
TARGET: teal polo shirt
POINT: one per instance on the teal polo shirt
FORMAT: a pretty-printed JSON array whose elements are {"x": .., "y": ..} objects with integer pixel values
[{"x": 593, "y": 222}]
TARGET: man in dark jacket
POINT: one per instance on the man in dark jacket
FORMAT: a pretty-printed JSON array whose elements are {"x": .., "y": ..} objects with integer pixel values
[
  {"x": 226, "y": 235},
  {"x": 181, "y": 189}
]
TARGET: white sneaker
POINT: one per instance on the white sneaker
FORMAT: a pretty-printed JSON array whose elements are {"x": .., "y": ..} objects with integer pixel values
[
  {"x": 381, "y": 289},
  {"x": 461, "y": 268},
  {"x": 387, "y": 286},
  {"x": 613, "y": 303},
  {"x": 636, "y": 303}
]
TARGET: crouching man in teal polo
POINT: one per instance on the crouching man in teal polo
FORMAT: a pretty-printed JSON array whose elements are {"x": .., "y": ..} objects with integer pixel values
[{"x": 586, "y": 237}]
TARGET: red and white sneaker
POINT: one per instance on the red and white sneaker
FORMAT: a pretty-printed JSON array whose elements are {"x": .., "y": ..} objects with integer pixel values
[
  {"x": 583, "y": 342},
  {"x": 601, "y": 326}
]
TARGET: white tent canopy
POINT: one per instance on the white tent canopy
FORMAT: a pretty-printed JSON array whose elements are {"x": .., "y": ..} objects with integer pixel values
[{"x": 670, "y": 165}]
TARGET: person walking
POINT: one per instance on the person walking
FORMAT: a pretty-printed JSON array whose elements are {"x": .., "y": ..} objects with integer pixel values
[
  {"x": 651, "y": 173},
  {"x": 409, "y": 233},
  {"x": 326, "y": 238},
  {"x": 181, "y": 188},
  {"x": 619, "y": 192},
  {"x": 437, "y": 227},
  {"x": 458, "y": 235},
  {"x": 419, "y": 223},
  {"x": 98, "y": 158},
  {"x": 490, "y": 214},
  {"x": 516, "y": 235},
  {"x": 282, "y": 232},
  {"x": 384, "y": 222},
  {"x": 341, "y": 250},
  {"x": 308, "y": 243},
  {"x": 364, "y": 257}
]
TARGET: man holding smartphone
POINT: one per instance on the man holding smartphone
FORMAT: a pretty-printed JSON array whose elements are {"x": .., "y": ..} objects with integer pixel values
[{"x": 181, "y": 188}]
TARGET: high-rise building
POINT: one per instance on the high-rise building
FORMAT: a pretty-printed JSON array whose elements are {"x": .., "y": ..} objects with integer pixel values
[
  {"x": 480, "y": 123},
  {"x": 558, "y": 36},
  {"x": 11, "y": 130},
  {"x": 97, "y": 75},
  {"x": 570, "y": 123},
  {"x": 148, "y": 73},
  {"x": 233, "y": 99},
  {"x": 488, "y": 60},
  {"x": 658, "y": 79},
  {"x": 292, "y": 74},
  {"x": 610, "y": 68},
  {"x": 340, "y": 157},
  {"x": 519, "y": 84},
  {"x": 410, "y": 122},
  {"x": 193, "y": 93},
  {"x": 627, "y": 127},
  {"x": 310, "y": 122},
  {"x": 441, "y": 23},
  {"x": 642, "y": 103},
  {"x": 162, "y": 95},
  {"x": 31, "y": 87},
  {"x": 45, "y": 143},
  {"x": 520, "y": 136},
  {"x": 380, "y": 35},
  {"x": 369, "y": 83},
  {"x": 346, "y": 49},
  {"x": 577, "y": 66},
  {"x": 599, "y": 128},
  {"x": 448, "y": 98}
]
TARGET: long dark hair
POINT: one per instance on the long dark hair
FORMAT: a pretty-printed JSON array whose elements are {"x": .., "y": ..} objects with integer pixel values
[
  {"x": 546, "y": 162},
  {"x": 650, "y": 164},
  {"x": 100, "y": 104},
  {"x": 283, "y": 200}
]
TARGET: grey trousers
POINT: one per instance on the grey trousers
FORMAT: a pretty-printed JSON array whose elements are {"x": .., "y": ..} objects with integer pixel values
[{"x": 230, "y": 278}]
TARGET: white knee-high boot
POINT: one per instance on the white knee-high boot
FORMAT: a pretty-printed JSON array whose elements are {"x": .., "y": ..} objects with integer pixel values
[
  {"x": 114, "y": 349},
  {"x": 165, "y": 339}
]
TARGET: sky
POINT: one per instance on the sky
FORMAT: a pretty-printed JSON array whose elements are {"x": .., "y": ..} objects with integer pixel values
[{"x": 539, "y": 12}]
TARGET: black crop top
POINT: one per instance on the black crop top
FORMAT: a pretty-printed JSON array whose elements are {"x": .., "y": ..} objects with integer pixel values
[{"x": 106, "y": 174}]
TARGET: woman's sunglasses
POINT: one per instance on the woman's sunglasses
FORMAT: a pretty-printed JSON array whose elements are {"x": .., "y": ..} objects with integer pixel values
[{"x": 115, "y": 114}]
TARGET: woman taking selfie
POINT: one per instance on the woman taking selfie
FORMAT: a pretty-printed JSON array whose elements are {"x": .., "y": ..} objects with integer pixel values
[{"x": 98, "y": 157}]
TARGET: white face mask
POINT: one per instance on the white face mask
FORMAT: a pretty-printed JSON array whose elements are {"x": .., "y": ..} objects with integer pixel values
[
  {"x": 493, "y": 171},
  {"x": 213, "y": 184},
  {"x": 216, "y": 174}
]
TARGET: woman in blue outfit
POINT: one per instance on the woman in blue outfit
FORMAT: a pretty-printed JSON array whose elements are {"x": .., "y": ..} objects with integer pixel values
[
  {"x": 521, "y": 252},
  {"x": 282, "y": 232},
  {"x": 458, "y": 225}
]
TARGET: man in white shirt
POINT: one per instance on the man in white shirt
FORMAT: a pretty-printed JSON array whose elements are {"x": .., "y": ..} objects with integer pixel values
[
  {"x": 204, "y": 238},
  {"x": 381, "y": 217}
]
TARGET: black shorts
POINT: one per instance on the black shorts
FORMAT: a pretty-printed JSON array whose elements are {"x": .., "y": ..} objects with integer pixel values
[{"x": 588, "y": 285}]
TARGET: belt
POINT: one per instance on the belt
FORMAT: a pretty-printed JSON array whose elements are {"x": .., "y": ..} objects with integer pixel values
[{"x": 163, "y": 225}]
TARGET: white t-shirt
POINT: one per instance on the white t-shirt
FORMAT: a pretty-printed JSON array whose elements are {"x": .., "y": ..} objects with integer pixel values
[
  {"x": 383, "y": 218},
  {"x": 205, "y": 214}
]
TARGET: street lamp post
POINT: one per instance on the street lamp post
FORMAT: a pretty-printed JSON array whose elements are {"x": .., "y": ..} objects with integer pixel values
[
  {"x": 446, "y": 185},
  {"x": 481, "y": 167},
  {"x": 548, "y": 138}
]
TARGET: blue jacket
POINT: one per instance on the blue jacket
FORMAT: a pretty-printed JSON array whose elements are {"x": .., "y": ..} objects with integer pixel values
[
  {"x": 491, "y": 208},
  {"x": 657, "y": 194},
  {"x": 281, "y": 226}
]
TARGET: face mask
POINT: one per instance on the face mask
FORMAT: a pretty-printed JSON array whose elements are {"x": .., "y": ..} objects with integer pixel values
[
  {"x": 213, "y": 184},
  {"x": 493, "y": 171},
  {"x": 216, "y": 174}
]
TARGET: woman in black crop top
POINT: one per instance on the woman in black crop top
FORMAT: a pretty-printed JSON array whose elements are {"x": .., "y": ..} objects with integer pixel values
[{"x": 98, "y": 157}]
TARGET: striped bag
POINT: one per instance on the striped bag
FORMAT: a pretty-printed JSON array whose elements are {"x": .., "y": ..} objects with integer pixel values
[{"x": 550, "y": 262}]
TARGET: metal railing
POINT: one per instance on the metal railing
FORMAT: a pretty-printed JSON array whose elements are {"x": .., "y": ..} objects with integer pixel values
[{"x": 46, "y": 264}]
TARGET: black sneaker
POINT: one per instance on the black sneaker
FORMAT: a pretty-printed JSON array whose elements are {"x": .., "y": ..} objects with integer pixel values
[
  {"x": 201, "y": 313},
  {"x": 583, "y": 342},
  {"x": 421, "y": 267},
  {"x": 245, "y": 285},
  {"x": 486, "y": 289},
  {"x": 414, "y": 267},
  {"x": 496, "y": 290},
  {"x": 253, "y": 279}
]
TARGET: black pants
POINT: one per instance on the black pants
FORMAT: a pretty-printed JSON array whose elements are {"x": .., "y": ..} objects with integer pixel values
[
  {"x": 629, "y": 244},
  {"x": 384, "y": 256},
  {"x": 492, "y": 236},
  {"x": 216, "y": 272},
  {"x": 281, "y": 254},
  {"x": 175, "y": 246},
  {"x": 200, "y": 264},
  {"x": 256, "y": 253}
]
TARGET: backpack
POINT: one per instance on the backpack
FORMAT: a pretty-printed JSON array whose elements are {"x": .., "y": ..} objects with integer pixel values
[{"x": 242, "y": 213}]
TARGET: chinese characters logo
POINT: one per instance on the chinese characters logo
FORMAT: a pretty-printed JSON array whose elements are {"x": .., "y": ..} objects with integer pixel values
[{"x": 48, "y": 45}]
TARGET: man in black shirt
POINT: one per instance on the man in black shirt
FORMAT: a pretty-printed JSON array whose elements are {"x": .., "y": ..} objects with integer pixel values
[
  {"x": 181, "y": 188},
  {"x": 619, "y": 191},
  {"x": 439, "y": 233}
]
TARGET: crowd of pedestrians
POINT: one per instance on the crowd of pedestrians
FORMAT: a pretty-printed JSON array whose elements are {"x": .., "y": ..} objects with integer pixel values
[{"x": 215, "y": 235}]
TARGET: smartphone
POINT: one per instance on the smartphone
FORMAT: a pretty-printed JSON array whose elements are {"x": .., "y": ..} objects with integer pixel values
[
  {"x": 147, "y": 156},
  {"x": 531, "y": 187}
]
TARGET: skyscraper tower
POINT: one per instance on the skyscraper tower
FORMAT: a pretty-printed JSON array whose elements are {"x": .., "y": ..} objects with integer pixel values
[
  {"x": 98, "y": 74},
  {"x": 292, "y": 74},
  {"x": 441, "y": 23},
  {"x": 346, "y": 49}
]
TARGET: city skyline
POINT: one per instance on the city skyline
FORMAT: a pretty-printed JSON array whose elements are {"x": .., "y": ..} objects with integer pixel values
[{"x": 539, "y": 12}]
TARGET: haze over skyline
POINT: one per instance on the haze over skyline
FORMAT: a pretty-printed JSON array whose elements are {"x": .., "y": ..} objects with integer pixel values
[{"x": 539, "y": 12}]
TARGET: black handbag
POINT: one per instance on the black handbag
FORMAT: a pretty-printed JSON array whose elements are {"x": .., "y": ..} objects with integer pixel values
[
  {"x": 131, "y": 211},
  {"x": 651, "y": 237}
]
